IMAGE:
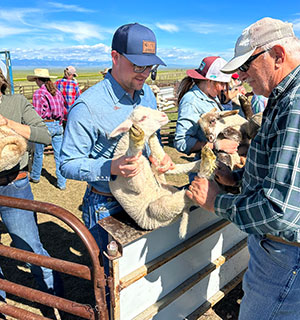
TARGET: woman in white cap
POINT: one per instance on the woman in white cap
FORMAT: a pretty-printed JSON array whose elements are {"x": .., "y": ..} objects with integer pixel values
[{"x": 198, "y": 94}]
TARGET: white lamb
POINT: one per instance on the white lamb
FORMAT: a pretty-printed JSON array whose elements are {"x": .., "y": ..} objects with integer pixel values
[
  {"x": 145, "y": 197},
  {"x": 12, "y": 148}
]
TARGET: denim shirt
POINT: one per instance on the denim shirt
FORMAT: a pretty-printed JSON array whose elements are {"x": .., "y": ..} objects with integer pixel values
[
  {"x": 192, "y": 105},
  {"x": 86, "y": 150}
]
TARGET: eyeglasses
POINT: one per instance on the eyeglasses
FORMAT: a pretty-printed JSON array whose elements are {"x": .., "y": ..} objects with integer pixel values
[{"x": 245, "y": 67}]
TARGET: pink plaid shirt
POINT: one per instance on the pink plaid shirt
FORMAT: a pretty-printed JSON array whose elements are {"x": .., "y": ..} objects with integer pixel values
[{"x": 47, "y": 106}]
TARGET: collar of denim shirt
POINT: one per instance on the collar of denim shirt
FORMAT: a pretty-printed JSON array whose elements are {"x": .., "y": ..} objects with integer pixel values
[{"x": 117, "y": 92}]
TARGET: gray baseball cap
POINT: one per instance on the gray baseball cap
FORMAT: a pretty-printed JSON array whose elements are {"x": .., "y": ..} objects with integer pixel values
[{"x": 258, "y": 34}]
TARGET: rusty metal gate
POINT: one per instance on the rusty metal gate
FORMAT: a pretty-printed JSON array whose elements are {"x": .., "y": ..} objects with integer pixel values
[{"x": 95, "y": 273}]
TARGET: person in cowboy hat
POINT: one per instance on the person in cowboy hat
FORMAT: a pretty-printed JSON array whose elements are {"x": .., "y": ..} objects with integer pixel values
[
  {"x": 48, "y": 102},
  {"x": 69, "y": 88},
  {"x": 267, "y": 56},
  {"x": 198, "y": 94},
  {"x": 18, "y": 114}
]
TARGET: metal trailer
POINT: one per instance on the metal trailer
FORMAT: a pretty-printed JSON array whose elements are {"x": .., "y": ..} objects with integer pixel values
[
  {"x": 7, "y": 58},
  {"x": 159, "y": 276},
  {"x": 153, "y": 274}
]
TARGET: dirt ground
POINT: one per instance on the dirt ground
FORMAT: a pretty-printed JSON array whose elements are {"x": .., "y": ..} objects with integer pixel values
[{"x": 61, "y": 242}]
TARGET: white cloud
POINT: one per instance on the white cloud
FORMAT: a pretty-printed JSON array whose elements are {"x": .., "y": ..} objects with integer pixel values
[
  {"x": 14, "y": 16},
  {"x": 79, "y": 31},
  {"x": 203, "y": 28},
  {"x": 10, "y": 31},
  {"x": 167, "y": 27},
  {"x": 296, "y": 24},
  {"x": 95, "y": 53},
  {"x": 68, "y": 7}
]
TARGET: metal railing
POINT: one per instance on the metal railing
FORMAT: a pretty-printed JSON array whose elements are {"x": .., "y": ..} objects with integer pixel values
[{"x": 95, "y": 273}]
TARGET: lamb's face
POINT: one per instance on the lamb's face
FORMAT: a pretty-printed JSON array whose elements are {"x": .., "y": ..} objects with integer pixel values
[
  {"x": 208, "y": 124},
  {"x": 212, "y": 122},
  {"x": 148, "y": 120}
]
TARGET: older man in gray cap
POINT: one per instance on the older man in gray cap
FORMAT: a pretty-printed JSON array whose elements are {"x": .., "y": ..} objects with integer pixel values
[{"x": 267, "y": 56}]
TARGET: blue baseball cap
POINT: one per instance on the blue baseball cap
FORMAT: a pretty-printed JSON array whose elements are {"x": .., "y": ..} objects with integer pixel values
[{"x": 137, "y": 43}]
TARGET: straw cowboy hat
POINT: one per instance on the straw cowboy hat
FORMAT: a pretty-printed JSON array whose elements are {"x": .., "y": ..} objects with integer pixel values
[
  {"x": 40, "y": 73},
  {"x": 104, "y": 72}
]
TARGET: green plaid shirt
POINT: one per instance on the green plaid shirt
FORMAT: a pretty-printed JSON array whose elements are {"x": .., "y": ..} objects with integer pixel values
[{"x": 270, "y": 198}]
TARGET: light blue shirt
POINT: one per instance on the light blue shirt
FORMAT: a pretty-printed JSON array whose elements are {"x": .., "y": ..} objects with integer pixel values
[
  {"x": 86, "y": 150},
  {"x": 192, "y": 105}
]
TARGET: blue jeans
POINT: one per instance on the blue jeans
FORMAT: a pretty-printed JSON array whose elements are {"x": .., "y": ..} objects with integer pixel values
[
  {"x": 56, "y": 130},
  {"x": 22, "y": 227},
  {"x": 96, "y": 207},
  {"x": 272, "y": 283}
]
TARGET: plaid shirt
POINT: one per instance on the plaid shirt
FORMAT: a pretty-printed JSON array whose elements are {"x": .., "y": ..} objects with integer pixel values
[
  {"x": 70, "y": 91},
  {"x": 270, "y": 198},
  {"x": 47, "y": 106}
]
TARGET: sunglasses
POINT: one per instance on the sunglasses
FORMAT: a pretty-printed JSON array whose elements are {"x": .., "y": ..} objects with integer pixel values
[
  {"x": 141, "y": 69},
  {"x": 245, "y": 67}
]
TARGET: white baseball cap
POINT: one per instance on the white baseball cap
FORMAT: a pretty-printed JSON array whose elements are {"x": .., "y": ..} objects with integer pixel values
[
  {"x": 71, "y": 70},
  {"x": 258, "y": 34},
  {"x": 209, "y": 69}
]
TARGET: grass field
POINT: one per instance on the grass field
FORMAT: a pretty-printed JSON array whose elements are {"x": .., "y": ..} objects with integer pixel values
[{"x": 19, "y": 75}]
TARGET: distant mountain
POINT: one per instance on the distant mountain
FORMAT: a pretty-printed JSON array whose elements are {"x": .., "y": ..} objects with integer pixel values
[{"x": 37, "y": 63}]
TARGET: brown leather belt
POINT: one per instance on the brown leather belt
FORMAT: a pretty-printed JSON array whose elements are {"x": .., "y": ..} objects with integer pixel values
[
  {"x": 49, "y": 120},
  {"x": 278, "y": 239},
  {"x": 18, "y": 175},
  {"x": 107, "y": 194}
]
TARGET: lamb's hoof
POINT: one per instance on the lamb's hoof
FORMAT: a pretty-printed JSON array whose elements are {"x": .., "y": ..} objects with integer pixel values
[{"x": 136, "y": 134}]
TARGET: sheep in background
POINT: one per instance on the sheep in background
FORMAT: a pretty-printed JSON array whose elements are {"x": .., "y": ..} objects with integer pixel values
[
  {"x": 146, "y": 197},
  {"x": 229, "y": 125},
  {"x": 12, "y": 148}
]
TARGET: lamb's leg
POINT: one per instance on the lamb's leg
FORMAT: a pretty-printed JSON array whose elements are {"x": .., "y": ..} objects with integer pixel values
[
  {"x": 167, "y": 207},
  {"x": 158, "y": 153},
  {"x": 157, "y": 150},
  {"x": 185, "y": 167}
]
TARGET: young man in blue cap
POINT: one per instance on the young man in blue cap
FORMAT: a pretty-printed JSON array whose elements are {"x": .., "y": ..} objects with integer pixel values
[{"x": 87, "y": 152}]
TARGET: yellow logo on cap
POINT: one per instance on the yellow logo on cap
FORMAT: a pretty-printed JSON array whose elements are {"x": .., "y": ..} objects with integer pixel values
[{"x": 148, "y": 46}]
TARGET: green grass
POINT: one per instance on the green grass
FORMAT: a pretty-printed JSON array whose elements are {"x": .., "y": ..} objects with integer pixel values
[{"x": 20, "y": 76}]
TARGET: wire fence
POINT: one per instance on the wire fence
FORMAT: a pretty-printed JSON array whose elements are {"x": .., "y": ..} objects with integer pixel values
[{"x": 162, "y": 80}]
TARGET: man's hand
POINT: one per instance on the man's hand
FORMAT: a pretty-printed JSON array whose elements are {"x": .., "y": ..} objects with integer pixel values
[
  {"x": 163, "y": 166},
  {"x": 126, "y": 166},
  {"x": 227, "y": 145},
  {"x": 204, "y": 193}
]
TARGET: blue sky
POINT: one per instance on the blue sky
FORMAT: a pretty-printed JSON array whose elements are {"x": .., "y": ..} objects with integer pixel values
[{"x": 80, "y": 32}]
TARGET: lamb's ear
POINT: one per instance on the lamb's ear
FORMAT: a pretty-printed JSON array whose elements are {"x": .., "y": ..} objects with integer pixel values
[
  {"x": 228, "y": 113},
  {"x": 123, "y": 127}
]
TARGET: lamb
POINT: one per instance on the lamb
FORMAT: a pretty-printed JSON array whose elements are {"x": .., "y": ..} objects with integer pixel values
[
  {"x": 12, "y": 148},
  {"x": 229, "y": 125},
  {"x": 146, "y": 197}
]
